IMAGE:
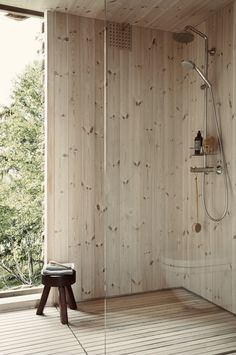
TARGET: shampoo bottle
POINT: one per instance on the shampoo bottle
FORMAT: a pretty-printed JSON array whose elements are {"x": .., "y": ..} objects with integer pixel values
[{"x": 198, "y": 143}]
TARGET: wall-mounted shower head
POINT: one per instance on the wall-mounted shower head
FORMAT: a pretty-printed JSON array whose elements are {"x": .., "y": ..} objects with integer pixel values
[
  {"x": 183, "y": 37},
  {"x": 188, "y": 64}
]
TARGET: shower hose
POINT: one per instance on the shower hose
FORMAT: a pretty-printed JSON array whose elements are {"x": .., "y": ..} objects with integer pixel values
[{"x": 224, "y": 166}]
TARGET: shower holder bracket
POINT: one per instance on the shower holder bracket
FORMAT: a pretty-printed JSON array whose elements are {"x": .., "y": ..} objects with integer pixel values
[{"x": 203, "y": 87}]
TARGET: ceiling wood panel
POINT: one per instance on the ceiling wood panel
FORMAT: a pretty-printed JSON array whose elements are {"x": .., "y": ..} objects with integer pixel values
[{"x": 168, "y": 15}]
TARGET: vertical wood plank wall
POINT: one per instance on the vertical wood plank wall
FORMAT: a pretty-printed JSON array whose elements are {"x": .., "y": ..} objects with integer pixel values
[
  {"x": 154, "y": 109},
  {"x": 75, "y": 67},
  {"x": 143, "y": 114},
  {"x": 143, "y": 118},
  {"x": 209, "y": 255}
]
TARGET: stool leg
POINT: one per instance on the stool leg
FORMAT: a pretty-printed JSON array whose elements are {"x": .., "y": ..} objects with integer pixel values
[
  {"x": 71, "y": 299},
  {"x": 43, "y": 300},
  {"x": 63, "y": 305}
]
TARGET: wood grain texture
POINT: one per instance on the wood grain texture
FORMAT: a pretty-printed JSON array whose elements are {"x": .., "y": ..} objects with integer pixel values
[
  {"x": 143, "y": 116},
  {"x": 233, "y": 204},
  {"x": 154, "y": 110},
  {"x": 209, "y": 259},
  {"x": 22, "y": 332},
  {"x": 167, "y": 15},
  {"x": 202, "y": 262},
  {"x": 139, "y": 177},
  {"x": 166, "y": 322},
  {"x": 75, "y": 148}
]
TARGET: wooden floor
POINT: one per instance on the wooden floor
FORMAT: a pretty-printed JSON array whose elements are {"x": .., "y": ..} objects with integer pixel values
[{"x": 165, "y": 322}]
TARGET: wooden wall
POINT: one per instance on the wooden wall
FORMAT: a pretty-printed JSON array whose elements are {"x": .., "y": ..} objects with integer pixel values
[
  {"x": 209, "y": 255},
  {"x": 143, "y": 118},
  {"x": 122, "y": 208},
  {"x": 75, "y": 140},
  {"x": 130, "y": 230}
]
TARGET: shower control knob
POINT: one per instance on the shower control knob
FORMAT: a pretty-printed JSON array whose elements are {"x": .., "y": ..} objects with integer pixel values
[
  {"x": 219, "y": 170},
  {"x": 212, "y": 51}
]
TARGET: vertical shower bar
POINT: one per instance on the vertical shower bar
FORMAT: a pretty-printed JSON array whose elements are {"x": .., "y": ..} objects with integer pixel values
[
  {"x": 206, "y": 96},
  {"x": 193, "y": 66},
  {"x": 193, "y": 29}
]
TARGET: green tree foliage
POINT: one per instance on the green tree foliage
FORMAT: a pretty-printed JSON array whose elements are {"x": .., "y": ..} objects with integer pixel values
[{"x": 21, "y": 181}]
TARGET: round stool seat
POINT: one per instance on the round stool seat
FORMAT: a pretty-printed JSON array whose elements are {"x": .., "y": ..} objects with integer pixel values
[{"x": 58, "y": 280}]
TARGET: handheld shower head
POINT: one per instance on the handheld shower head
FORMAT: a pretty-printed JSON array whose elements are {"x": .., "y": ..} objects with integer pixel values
[{"x": 188, "y": 64}]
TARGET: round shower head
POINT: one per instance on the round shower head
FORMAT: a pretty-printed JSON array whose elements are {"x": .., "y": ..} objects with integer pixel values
[
  {"x": 183, "y": 37},
  {"x": 188, "y": 64}
]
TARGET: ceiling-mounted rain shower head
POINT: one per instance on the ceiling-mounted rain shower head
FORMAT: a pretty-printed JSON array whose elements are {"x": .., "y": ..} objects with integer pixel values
[
  {"x": 188, "y": 64},
  {"x": 183, "y": 37}
]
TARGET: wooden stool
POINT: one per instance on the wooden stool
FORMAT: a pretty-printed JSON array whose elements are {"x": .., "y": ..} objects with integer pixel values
[{"x": 63, "y": 282}]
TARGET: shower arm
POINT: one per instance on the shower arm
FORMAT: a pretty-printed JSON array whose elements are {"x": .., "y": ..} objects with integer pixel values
[
  {"x": 204, "y": 36},
  {"x": 193, "y": 29}
]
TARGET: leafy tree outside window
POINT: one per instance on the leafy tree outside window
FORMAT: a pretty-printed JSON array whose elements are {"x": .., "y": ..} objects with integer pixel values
[{"x": 21, "y": 181}]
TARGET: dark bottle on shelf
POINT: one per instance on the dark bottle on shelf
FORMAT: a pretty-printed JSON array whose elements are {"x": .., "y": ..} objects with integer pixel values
[{"x": 198, "y": 143}]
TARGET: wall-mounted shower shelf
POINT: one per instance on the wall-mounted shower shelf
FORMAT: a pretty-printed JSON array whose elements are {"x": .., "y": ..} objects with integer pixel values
[
  {"x": 201, "y": 154},
  {"x": 197, "y": 155}
]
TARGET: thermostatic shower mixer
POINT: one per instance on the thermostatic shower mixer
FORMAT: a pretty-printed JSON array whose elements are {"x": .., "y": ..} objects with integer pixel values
[{"x": 208, "y": 169}]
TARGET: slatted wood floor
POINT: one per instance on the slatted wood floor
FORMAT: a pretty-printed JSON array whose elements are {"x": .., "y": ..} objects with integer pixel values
[{"x": 160, "y": 323}]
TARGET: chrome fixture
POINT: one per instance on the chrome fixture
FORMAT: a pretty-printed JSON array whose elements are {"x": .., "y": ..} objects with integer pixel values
[
  {"x": 211, "y": 51},
  {"x": 190, "y": 65},
  {"x": 187, "y": 36},
  {"x": 219, "y": 170},
  {"x": 208, "y": 169},
  {"x": 195, "y": 30},
  {"x": 183, "y": 37}
]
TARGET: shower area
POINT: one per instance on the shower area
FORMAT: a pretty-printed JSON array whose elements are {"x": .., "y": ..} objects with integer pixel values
[
  {"x": 169, "y": 212},
  {"x": 147, "y": 216},
  {"x": 146, "y": 221},
  {"x": 133, "y": 207}
]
